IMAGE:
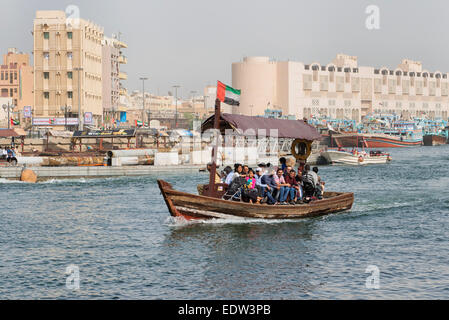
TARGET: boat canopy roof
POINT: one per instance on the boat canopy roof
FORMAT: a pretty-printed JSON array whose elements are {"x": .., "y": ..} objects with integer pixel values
[
  {"x": 12, "y": 133},
  {"x": 294, "y": 129}
]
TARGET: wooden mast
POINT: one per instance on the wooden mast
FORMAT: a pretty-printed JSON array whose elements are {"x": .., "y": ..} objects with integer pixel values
[{"x": 213, "y": 170}]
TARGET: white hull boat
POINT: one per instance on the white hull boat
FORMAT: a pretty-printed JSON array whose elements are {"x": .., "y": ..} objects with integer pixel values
[{"x": 356, "y": 158}]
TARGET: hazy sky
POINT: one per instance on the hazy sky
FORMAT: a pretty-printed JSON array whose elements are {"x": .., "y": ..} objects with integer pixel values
[{"x": 193, "y": 43}]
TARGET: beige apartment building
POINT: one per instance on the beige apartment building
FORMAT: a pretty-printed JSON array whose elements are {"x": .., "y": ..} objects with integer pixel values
[
  {"x": 340, "y": 89},
  {"x": 16, "y": 81},
  {"x": 67, "y": 67},
  {"x": 113, "y": 89}
]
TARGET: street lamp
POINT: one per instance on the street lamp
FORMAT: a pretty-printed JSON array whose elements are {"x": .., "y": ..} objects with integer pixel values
[
  {"x": 80, "y": 124},
  {"x": 143, "y": 79},
  {"x": 8, "y": 107},
  {"x": 66, "y": 109},
  {"x": 176, "y": 115}
]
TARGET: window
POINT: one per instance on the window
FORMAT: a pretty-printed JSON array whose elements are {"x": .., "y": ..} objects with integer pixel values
[
  {"x": 46, "y": 75},
  {"x": 69, "y": 35},
  {"x": 15, "y": 90},
  {"x": 15, "y": 75},
  {"x": 70, "y": 55},
  {"x": 46, "y": 35},
  {"x": 46, "y": 55},
  {"x": 3, "y": 76},
  {"x": 70, "y": 94},
  {"x": 11, "y": 92},
  {"x": 6, "y": 75},
  {"x": 46, "y": 95},
  {"x": 69, "y": 75}
]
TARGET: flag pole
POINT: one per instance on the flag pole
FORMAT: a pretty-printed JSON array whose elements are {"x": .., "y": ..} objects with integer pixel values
[{"x": 213, "y": 170}]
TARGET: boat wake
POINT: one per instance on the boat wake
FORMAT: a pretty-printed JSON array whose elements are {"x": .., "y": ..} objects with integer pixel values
[{"x": 181, "y": 222}]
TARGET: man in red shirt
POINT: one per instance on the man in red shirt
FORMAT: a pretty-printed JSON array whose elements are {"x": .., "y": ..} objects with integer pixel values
[{"x": 293, "y": 188}]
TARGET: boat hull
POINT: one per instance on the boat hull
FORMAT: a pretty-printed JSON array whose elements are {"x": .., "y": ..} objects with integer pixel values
[
  {"x": 434, "y": 140},
  {"x": 385, "y": 142},
  {"x": 346, "y": 141},
  {"x": 195, "y": 207}
]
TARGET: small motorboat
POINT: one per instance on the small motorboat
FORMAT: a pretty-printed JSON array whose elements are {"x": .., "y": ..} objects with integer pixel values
[{"x": 356, "y": 157}]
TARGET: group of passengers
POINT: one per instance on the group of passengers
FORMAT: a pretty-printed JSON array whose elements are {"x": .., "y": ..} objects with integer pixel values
[
  {"x": 271, "y": 185},
  {"x": 7, "y": 153}
]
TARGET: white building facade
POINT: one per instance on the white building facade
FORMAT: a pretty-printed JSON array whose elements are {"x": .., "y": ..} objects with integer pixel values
[{"x": 340, "y": 89}]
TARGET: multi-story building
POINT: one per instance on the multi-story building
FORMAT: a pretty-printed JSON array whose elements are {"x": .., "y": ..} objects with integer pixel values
[
  {"x": 113, "y": 58},
  {"x": 67, "y": 67},
  {"x": 16, "y": 81},
  {"x": 341, "y": 89}
]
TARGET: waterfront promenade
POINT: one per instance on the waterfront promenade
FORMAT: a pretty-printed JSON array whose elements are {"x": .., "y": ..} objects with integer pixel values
[{"x": 46, "y": 173}]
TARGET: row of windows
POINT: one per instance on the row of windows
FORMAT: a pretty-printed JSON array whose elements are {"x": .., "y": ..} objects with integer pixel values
[
  {"x": 69, "y": 75},
  {"x": 331, "y": 68},
  {"x": 11, "y": 92},
  {"x": 46, "y": 55},
  {"x": 69, "y": 95},
  {"x": 47, "y": 35},
  {"x": 377, "y": 71},
  {"x": 4, "y": 76},
  {"x": 384, "y": 104}
]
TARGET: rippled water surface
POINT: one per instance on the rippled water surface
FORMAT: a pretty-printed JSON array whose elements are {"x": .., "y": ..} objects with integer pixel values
[{"x": 118, "y": 233}]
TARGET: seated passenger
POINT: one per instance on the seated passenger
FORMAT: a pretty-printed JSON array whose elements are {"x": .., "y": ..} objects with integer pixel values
[
  {"x": 245, "y": 170},
  {"x": 225, "y": 173},
  {"x": 268, "y": 186},
  {"x": 283, "y": 163},
  {"x": 319, "y": 192},
  {"x": 232, "y": 175},
  {"x": 309, "y": 180},
  {"x": 294, "y": 189},
  {"x": 250, "y": 193},
  {"x": 281, "y": 187}
]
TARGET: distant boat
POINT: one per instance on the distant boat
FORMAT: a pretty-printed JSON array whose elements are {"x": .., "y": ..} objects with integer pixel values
[
  {"x": 356, "y": 158},
  {"x": 434, "y": 140},
  {"x": 390, "y": 141},
  {"x": 374, "y": 140}
]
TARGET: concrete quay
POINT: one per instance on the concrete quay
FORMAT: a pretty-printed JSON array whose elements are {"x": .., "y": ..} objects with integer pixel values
[{"x": 47, "y": 173}]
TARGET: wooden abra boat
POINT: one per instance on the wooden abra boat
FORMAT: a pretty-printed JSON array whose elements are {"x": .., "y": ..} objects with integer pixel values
[
  {"x": 195, "y": 207},
  {"x": 210, "y": 205}
]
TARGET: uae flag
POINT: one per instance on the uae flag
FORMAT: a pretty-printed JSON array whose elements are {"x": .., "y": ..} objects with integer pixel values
[{"x": 228, "y": 95}]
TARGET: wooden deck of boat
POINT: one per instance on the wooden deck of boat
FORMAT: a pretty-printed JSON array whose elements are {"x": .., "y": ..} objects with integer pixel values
[{"x": 190, "y": 206}]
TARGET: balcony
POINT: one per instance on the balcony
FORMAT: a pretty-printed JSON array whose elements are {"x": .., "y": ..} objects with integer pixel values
[
  {"x": 123, "y": 92},
  {"x": 123, "y": 75},
  {"x": 123, "y": 59}
]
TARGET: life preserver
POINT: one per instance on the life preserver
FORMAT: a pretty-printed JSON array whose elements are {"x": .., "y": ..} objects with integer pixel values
[
  {"x": 361, "y": 159},
  {"x": 307, "y": 147}
]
